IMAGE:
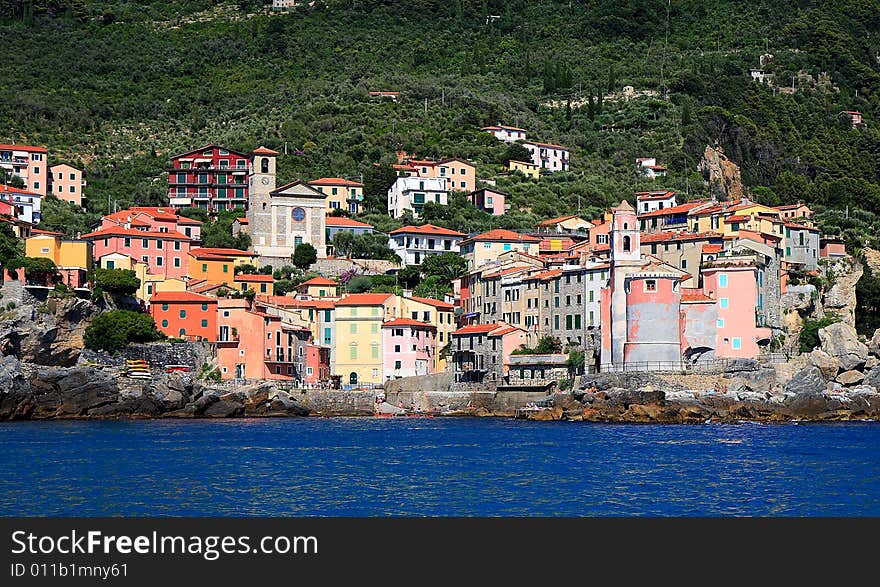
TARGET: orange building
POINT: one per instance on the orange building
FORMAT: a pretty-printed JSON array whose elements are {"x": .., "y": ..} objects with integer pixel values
[
  {"x": 262, "y": 284},
  {"x": 184, "y": 314},
  {"x": 216, "y": 265}
]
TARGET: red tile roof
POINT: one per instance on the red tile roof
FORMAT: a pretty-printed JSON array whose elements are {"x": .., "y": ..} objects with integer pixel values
[
  {"x": 801, "y": 227},
  {"x": 407, "y": 322},
  {"x": 680, "y": 209},
  {"x": 181, "y": 296},
  {"x": 292, "y": 302},
  {"x": 737, "y": 218},
  {"x": 712, "y": 248},
  {"x": 336, "y": 181},
  {"x": 551, "y": 145},
  {"x": 477, "y": 329},
  {"x": 254, "y": 277},
  {"x": 500, "y": 234},
  {"x": 502, "y": 127},
  {"x": 241, "y": 220},
  {"x": 364, "y": 299},
  {"x": 220, "y": 252},
  {"x": 132, "y": 232},
  {"x": 38, "y": 232},
  {"x": 692, "y": 294},
  {"x": 29, "y": 148},
  {"x": 428, "y": 229},
  {"x": 433, "y": 302},
  {"x": 264, "y": 151},
  {"x": 660, "y": 195},
  {"x": 546, "y": 275},
  {"x": 319, "y": 280},
  {"x": 11, "y": 190},
  {"x": 344, "y": 221},
  {"x": 553, "y": 221}
]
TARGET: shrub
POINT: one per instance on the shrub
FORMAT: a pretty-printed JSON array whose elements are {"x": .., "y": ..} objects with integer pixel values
[
  {"x": 114, "y": 330},
  {"x": 123, "y": 282},
  {"x": 360, "y": 284},
  {"x": 304, "y": 255},
  {"x": 809, "y": 338}
]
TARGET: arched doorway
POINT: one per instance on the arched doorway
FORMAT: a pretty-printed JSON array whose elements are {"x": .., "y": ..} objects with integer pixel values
[{"x": 353, "y": 378}]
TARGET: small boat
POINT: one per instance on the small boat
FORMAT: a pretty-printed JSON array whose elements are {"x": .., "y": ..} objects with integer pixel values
[{"x": 177, "y": 368}]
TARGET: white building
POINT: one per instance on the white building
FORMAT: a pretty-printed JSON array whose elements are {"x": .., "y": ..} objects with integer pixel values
[
  {"x": 284, "y": 5},
  {"x": 648, "y": 166},
  {"x": 414, "y": 243},
  {"x": 548, "y": 156},
  {"x": 412, "y": 193},
  {"x": 653, "y": 201},
  {"x": 508, "y": 134},
  {"x": 27, "y": 202}
]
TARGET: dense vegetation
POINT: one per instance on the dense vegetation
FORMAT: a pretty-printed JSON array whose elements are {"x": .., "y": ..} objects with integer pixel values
[{"x": 113, "y": 330}]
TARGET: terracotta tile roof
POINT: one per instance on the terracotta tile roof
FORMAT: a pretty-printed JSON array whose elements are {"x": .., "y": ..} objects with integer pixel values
[
  {"x": 343, "y": 221},
  {"x": 220, "y": 252},
  {"x": 476, "y": 329},
  {"x": 263, "y": 151},
  {"x": 428, "y": 229},
  {"x": 712, "y": 248},
  {"x": 550, "y": 145},
  {"x": 319, "y": 280},
  {"x": 5, "y": 188},
  {"x": 801, "y": 227},
  {"x": 181, "y": 296},
  {"x": 660, "y": 195},
  {"x": 254, "y": 277},
  {"x": 38, "y": 232},
  {"x": 206, "y": 287},
  {"x": 408, "y": 322},
  {"x": 692, "y": 294},
  {"x": 132, "y": 232},
  {"x": 336, "y": 181},
  {"x": 680, "y": 209},
  {"x": 791, "y": 206},
  {"x": 500, "y": 234},
  {"x": 506, "y": 329},
  {"x": 241, "y": 220},
  {"x": 546, "y": 275},
  {"x": 508, "y": 271},
  {"x": 292, "y": 302},
  {"x": 737, "y": 218},
  {"x": 364, "y": 299},
  {"x": 433, "y": 302},
  {"x": 29, "y": 148},
  {"x": 553, "y": 221},
  {"x": 502, "y": 127}
]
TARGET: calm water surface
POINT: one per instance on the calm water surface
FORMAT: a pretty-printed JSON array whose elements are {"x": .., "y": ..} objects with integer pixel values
[{"x": 436, "y": 467}]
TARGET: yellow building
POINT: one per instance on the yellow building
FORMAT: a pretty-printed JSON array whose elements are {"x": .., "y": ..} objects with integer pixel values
[
  {"x": 72, "y": 258},
  {"x": 342, "y": 194},
  {"x": 479, "y": 250},
  {"x": 711, "y": 219},
  {"x": 150, "y": 283},
  {"x": 359, "y": 319},
  {"x": 527, "y": 169},
  {"x": 318, "y": 287},
  {"x": 217, "y": 265},
  {"x": 436, "y": 313}
]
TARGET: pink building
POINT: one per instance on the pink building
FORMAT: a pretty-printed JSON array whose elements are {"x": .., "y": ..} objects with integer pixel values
[
  {"x": 252, "y": 344},
  {"x": 734, "y": 287},
  {"x": 489, "y": 200},
  {"x": 155, "y": 219},
  {"x": 165, "y": 253},
  {"x": 28, "y": 162},
  {"x": 317, "y": 364},
  {"x": 66, "y": 183},
  {"x": 409, "y": 348}
]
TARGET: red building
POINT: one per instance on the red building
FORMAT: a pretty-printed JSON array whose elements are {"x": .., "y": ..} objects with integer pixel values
[
  {"x": 183, "y": 314},
  {"x": 317, "y": 364},
  {"x": 213, "y": 178}
]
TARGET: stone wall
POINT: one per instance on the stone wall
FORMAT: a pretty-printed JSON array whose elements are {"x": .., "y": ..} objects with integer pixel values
[
  {"x": 434, "y": 382},
  {"x": 498, "y": 404},
  {"x": 157, "y": 355},
  {"x": 337, "y": 266},
  {"x": 330, "y": 402}
]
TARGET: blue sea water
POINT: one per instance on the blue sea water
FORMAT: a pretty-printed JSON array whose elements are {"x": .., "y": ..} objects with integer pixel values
[{"x": 436, "y": 467}]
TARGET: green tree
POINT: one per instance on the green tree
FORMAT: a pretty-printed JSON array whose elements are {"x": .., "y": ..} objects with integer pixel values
[
  {"x": 809, "y": 337},
  {"x": 343, "y": 242},
  {"x": 433, "y": 287},
  {"x": 10, "y": 246},
  {"x": 304, "y": 255},
  {"x": 516, "y": 152},
  {"x": 446, "y": 266},
  {"x": 114, "y": 330},
  {"x": 409, "y": 277},
  {"x": 123, "y": 282},
  {"x": 195, "y": 214},
  {"x": 867, "y": 302},
  {"x": 65, "y": 217},
  {"x": 548, "y": 345},
  {"x": 359, "y": 284},
  {"x": 377, "y": 180},
  {"x": 36, "y": 269}
]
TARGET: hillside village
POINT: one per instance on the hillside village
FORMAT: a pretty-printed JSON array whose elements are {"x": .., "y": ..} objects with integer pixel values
[{"x": 656, "y": 283}]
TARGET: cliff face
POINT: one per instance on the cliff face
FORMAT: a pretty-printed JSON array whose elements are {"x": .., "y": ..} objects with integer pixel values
[
  {"x": 46, "y": 332},
  {"x": 722, "y": 173}
]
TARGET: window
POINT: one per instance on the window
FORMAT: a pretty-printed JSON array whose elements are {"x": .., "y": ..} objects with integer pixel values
[
  {"x": 374, "y": 350},
  {"x": 684, "y": 263},
  {"x": 397, "y": 348},
  {"x": 204, "y": 323},
  {"x": 568, "y": 322},
  {"x": 353, "y": 351},
  {"x": 352, "y": 328},
  {"x": 72, "y": 189},
  {"x": 725, "y": 302},
  {"x": 650, "y": 285},
  {"x": 158, "y": 261},
  {"x": 226, "y": 269},
  {"x": 177, "y": 261},
  {"x": 397, "y": 364},
  {"x": 126, "y": 242},
  {"x": 626, "y": 244},
  {"x": 737, "y": 343},
  {"x": 164, "y": 323},
  {"x": 592, "y": 295},
  {"x": 164, "y": 307},
  {"x": 204, "y": 267},
  {"x": 722, "y": 280},
  {"x": 204, "y": 307},
  {"x": 145, "y": 243},
  {"x": 556, "y": 321},
  {"x": 183, "y": 332},
  {"x": 719, "y": 323},
  {"x": 577, "y": 321}
]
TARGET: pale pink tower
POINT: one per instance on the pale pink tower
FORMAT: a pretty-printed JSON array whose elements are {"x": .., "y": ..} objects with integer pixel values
[{"x": 625, "y": 259}]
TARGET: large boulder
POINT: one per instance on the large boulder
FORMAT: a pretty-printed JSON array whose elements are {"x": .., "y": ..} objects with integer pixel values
[
  {"x": 872, "y": 378},
  {"x": 841, "y": 342},
  {"x": 808, "y": 381},
  {"x": 874, "y": 345},
  {"x": 850, "y": 378},
  {"x": 60, "y": 392},
  {"x": 825, "y": 363}
]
